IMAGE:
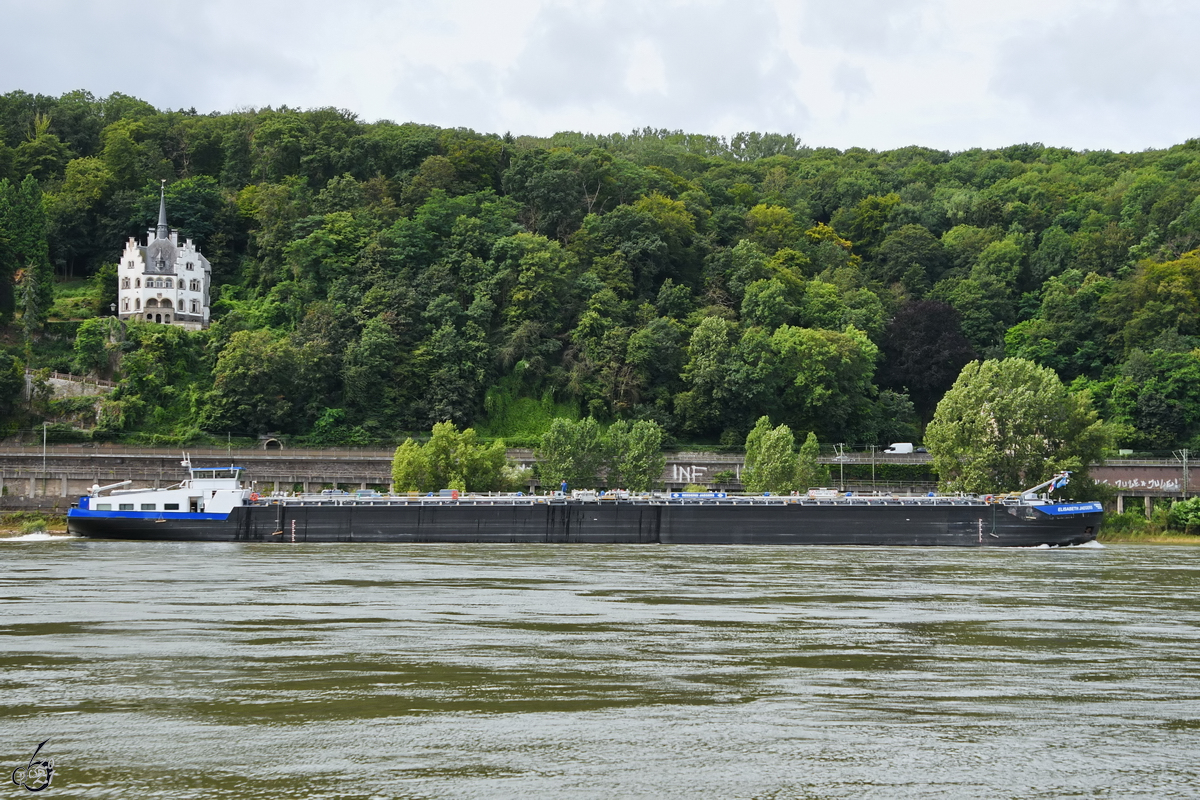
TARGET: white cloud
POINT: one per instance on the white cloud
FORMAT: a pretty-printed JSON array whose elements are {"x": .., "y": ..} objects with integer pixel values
[
  {"x": 646, "y": 72},
  {"x": 892, "y": 28},
  {"x": 876, "y": 73},
  {"x": 714, "y": 65},
  {"x": 1127, "y": 68},
  {"x": 851, "y": 81}
]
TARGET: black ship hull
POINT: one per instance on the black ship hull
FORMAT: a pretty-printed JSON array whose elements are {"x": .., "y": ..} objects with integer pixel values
[{"x": 908, "y": 523}]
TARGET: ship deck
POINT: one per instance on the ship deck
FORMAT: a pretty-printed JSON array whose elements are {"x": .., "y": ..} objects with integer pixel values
[{"x": 532, "y": 500}]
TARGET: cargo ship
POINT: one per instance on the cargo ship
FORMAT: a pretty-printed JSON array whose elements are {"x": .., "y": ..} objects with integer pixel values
[{"x": 218, "y": 505}]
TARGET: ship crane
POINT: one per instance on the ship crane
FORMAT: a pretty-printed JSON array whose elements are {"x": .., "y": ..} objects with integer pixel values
[
  {"x": 97, "y": 488},
  {"x": 1057, "y": 482}
]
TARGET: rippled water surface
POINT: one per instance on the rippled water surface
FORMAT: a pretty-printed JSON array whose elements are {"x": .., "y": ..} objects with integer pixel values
[{"x": 482, "y": 671}]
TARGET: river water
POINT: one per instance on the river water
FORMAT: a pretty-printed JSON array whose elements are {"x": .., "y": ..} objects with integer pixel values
[{"x": 570, "y": 671}]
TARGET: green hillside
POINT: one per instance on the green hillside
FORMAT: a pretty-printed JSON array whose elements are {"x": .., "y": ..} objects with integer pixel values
[{"x": 376, "y": 278}]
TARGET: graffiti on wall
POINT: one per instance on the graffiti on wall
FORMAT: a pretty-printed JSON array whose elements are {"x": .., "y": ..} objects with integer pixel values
[
  {"x": 1146, "y": 484},
  {"x": 698, "y": 473}
]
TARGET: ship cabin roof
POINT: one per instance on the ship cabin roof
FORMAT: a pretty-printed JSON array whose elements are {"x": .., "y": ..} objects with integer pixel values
[{"x": 217, "y": 477}]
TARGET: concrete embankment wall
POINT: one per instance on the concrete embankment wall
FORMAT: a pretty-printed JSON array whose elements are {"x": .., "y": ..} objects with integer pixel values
[{"x": 31, "y": 478}]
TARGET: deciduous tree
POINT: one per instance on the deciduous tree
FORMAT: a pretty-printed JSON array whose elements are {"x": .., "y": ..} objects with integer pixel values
[
  {"x": 571, "y": 452},
  {"x": 1010, "y": 423},
  {"x": 635, "y": 456},
  {"x": 809, "y": 471},
  {"x": 451, "y": 459},
  {"x": 923, "y": 352},
  {"x": 770, "y": 464}
]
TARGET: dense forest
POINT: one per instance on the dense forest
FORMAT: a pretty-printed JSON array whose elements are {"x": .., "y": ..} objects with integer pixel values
[{"x": 373, "y": 279}]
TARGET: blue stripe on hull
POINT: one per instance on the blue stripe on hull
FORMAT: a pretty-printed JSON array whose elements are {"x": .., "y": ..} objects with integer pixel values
[
  {"x": 1066, "y": 509},
  {"x": 78, "y": 513}
]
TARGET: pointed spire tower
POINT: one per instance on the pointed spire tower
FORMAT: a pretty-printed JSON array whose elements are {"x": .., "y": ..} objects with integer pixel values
[{"x": 164, "y": 230}]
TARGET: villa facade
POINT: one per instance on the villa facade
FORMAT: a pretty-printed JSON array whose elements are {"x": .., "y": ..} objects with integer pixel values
[{"x": 164, "y": 281}]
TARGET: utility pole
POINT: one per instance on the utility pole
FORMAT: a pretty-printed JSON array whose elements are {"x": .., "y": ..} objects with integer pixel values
[
  {"x": 840, "y": 449},
  {"x": 872, "y": 469}
]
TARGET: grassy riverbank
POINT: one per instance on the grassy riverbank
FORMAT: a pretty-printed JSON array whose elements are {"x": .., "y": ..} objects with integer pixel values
[
  {"x": 1133, "y": 527},
  {"x": 22, "y": 523},
  {"x": 1147, "y": 537}
]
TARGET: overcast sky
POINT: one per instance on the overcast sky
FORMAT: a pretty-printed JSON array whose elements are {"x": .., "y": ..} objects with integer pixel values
[{"x": 951, "y": 74}]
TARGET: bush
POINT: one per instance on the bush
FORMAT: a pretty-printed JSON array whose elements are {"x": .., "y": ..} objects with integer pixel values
[
  {"x": 1132, "y": 521},
  {"x": 1185, "y": 515},
  {"x": 64, "y": 433},
  {"x": 451, "y": 459},
  {"x": 35, "y": 525}
]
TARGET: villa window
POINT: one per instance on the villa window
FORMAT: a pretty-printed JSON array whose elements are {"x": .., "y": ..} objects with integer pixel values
[
  {"x": 137, "y": 304},
  {"x": 195, "y": 307},
  {"x": 129, "y": 265},
  {"x": 137, "y": 284},
  {"x": 189, "y": 265},
  {"x": 170, "y": 283},
  {"x": 125, "y": 304},
  {"x": 124, "y": 283}
]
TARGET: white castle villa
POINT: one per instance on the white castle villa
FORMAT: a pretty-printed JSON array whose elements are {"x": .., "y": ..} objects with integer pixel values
[{"x": 163, "y": 280}]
